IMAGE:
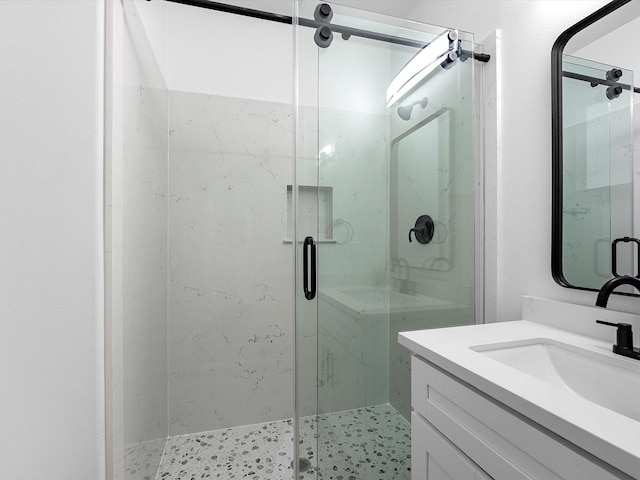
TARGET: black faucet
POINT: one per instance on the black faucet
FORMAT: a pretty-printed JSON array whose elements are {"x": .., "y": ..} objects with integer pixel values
[
  {"x": 624, "y": 338},
  {"x": 607, "y": 289}
]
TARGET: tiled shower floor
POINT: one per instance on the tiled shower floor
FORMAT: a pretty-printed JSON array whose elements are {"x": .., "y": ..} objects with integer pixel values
[{"x": 372, "y": 443}]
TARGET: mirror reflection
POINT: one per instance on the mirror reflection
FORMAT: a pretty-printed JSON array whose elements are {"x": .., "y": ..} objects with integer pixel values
[{"x": 594, "y": 224}]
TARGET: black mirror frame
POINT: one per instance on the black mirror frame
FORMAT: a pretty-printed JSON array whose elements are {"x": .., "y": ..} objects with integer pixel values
[{"x": 557, "y": 138}]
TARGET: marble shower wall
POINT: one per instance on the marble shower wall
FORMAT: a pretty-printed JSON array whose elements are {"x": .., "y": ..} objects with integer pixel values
[{"x": 230, "y": 308}]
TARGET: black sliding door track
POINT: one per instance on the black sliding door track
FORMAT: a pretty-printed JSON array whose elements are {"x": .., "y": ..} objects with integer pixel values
[
  {"x": 347, "y": 31},
  {"x": 594, "y": 81}
]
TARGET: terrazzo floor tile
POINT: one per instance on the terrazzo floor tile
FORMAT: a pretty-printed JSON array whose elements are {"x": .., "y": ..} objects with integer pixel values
[
  {"x": 255, "y": 452},
  {"x": 370, "y": 443}
]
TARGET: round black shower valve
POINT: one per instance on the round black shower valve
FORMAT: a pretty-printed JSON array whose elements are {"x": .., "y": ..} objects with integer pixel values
[{"x": 423, "y": 230}]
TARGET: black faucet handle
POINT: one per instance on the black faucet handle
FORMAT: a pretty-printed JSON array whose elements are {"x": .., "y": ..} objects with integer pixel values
[
  {"x": 624, "y": 335},
  {"x": 612, "y": 324},
  {"x": 423, "y": 229}
]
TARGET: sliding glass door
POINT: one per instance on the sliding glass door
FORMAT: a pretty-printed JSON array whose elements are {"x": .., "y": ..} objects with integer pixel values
[{"x": 385, "y": 189}]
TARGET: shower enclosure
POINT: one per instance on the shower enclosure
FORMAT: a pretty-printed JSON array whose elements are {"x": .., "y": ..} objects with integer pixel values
[{"x": 281, "y": 202}]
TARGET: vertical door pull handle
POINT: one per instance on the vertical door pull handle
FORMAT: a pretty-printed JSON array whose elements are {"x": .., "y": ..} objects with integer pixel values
[
  {"x": 614, "y": 255},
  {"x": 309, "y": 259}
]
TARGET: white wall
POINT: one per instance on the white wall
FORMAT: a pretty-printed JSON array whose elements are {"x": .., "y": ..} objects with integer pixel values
[
  {"x": 528, "y": 32},
  {"x": 51, "y": 281}
]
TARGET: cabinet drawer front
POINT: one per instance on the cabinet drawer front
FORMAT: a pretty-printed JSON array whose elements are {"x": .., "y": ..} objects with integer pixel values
[
  {"x": 438, "y": 457},
  {"x": 506, "y": 445}
]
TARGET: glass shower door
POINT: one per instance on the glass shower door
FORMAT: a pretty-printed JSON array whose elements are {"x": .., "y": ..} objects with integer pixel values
[{"x": 371, "y": 162}]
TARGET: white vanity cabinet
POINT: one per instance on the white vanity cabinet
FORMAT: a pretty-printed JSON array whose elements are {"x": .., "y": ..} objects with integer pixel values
[
  {"x": 436, "y": 458},
  {"x": 460, "y": 433}
]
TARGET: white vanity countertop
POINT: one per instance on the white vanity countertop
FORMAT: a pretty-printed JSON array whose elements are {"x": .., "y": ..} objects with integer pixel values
[{"x": 606, "y": 434}]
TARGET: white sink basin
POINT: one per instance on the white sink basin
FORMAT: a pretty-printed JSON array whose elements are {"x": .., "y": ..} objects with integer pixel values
[{"x": 613, "y": 383}]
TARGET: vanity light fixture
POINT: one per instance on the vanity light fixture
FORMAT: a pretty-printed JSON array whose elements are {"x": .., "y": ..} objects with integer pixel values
[{"x": 443, "y": 51}]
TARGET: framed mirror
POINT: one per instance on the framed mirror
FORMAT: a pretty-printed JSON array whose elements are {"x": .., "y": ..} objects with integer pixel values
[{"x": 595, "y": 119}]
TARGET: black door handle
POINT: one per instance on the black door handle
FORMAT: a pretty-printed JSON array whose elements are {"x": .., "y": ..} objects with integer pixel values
[
  {"x": 614, "y": 254},
  {"x": 309, "y": 248}
]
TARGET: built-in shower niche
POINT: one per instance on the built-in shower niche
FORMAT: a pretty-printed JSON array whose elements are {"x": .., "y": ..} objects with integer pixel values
[{"x": 315, "y": 205}]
